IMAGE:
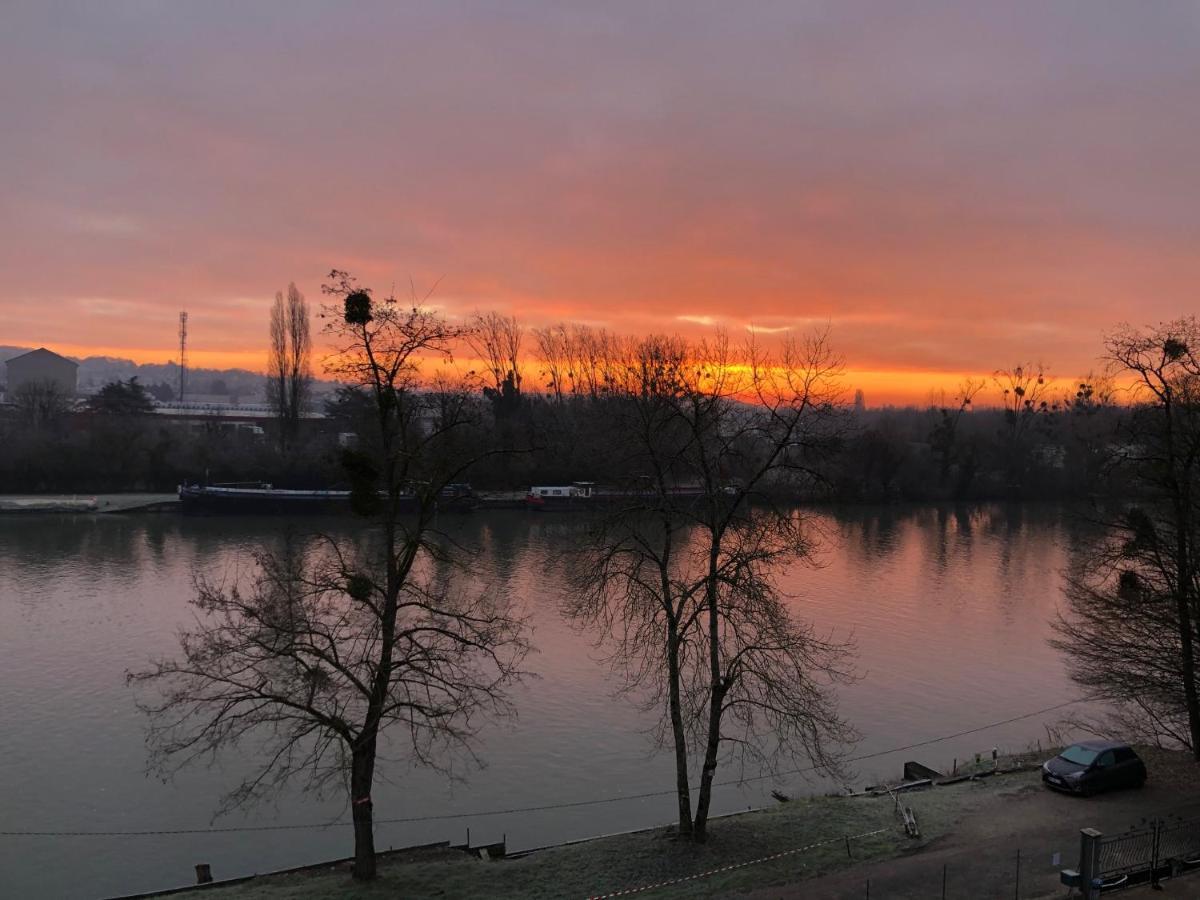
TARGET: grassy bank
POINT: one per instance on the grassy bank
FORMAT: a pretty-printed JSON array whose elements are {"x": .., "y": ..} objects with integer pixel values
[{"x": 622, "y": 862}]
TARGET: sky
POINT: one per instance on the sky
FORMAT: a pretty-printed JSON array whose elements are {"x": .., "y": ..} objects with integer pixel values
[{"x": 950, "y": 188}]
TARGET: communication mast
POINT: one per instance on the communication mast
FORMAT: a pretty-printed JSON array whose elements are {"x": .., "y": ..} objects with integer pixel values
[{"x": 182, "y": 353}]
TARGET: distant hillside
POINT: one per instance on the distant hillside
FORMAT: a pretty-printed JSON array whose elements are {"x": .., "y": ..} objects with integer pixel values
[{"x": 238, "y": 385}]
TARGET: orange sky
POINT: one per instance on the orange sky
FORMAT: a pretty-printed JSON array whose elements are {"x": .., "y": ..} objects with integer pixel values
[{"x": 952, "y": 188}]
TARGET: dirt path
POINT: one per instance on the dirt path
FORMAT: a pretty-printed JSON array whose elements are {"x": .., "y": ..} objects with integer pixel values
[{"x": 978, "y": 858}]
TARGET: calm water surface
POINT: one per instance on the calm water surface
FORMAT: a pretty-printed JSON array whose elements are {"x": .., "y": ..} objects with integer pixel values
[{"x": 949, "y": 608}]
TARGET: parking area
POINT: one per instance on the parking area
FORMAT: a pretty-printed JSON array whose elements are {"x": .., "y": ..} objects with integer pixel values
[{"x": 1010, "y": 837}]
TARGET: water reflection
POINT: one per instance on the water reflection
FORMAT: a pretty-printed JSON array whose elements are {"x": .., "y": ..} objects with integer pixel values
[{"x": 948, "y": 606}]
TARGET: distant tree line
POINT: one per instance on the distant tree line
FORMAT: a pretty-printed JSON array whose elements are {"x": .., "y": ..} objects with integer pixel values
[{"x": 549, "y": 391}]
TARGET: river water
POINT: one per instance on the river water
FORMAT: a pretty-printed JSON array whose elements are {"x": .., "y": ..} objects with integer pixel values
[{"x": 949, "y": 608}]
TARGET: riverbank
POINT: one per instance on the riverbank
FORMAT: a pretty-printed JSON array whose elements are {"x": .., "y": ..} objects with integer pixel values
[
  {"x": 619, "y": 862},
  {"x": 973, "y": 833}
]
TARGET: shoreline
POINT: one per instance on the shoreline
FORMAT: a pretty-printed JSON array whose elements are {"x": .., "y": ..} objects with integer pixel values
[{"x": 809, "y": 847}]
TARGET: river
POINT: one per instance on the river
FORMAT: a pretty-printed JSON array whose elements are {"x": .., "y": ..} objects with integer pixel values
[{"x": 949, "y": 608}]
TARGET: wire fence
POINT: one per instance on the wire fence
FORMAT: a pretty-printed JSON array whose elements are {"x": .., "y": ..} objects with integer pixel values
[
  {"x": 698, "y": 876},
  {"x": 1008, "y": 874}
]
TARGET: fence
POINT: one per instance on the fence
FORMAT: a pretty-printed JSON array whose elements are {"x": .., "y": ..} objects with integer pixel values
[
  {"x": 994, "y": 873},
  {"x": 1161, "y": 848},
  {"x": 720, "y": 870},
  {"x": 1157, "y": 849}
]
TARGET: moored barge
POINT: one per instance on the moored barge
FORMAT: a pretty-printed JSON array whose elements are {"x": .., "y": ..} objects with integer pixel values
[{"x": 265, "y": 499}]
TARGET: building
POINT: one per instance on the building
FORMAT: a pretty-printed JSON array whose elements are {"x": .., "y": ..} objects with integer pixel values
[{"x": 41, "y": 367}]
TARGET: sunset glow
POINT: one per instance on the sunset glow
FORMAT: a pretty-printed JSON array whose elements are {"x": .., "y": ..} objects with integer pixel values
[{"x": 950, "y": 191}]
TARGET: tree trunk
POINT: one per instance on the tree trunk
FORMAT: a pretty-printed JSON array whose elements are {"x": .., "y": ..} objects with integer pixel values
[
  {"x": 1190, "y": 694},
  {"x": 1184, "y": 610},
  {"x": 716, "y": 701},
  {"x": 700, "y": 827},
  {"x": 362, "y": 773},
  {"x": 682, "y": 788}
]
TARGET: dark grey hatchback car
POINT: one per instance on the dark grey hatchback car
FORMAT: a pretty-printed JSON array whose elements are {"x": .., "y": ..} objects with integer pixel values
[{"x": 1092, "y": 766}]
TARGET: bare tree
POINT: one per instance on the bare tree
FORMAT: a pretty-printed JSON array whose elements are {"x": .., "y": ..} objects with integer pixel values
[
  {"x": 328, "y": 648},
  {"x": 555, "y": 359},
  {"x": 496, "y": 340},
  {"x": 944, "y": 437},
  {"x": 1134, "y": 598},
  {"x": 289, "y": 365},
  {"x": 41, "y": 402},
  {"x": 592, "y": 353},
  {"x": 1091, "y": 416},
  {"x": 1024, "y": 390},
  {"x": 680, "y": 575}
]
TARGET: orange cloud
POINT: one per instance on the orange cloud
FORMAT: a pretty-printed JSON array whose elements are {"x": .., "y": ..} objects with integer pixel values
[{"x": 951, "y": 190}]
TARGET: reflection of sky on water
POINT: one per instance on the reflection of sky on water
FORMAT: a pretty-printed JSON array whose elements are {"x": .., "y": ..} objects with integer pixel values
[{"x": 948, "y": 608}]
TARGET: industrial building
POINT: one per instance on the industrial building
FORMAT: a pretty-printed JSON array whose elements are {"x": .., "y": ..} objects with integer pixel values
[{"x": 41, "y": 367}]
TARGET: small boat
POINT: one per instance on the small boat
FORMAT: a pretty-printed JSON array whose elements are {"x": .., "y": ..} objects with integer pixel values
[
  {"x": 260, "y": 498},
  {"x": 578, "y": 495}
]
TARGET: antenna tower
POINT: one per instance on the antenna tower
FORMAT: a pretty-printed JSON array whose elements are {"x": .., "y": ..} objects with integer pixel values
[{"x": 182, "y": 353}]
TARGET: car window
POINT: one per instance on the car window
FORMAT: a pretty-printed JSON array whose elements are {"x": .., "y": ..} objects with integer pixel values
[
  {"x": 1124, "y": 754},
  {"x": 1106, "y": 759},
  {"x": 1079, "y": 755}
]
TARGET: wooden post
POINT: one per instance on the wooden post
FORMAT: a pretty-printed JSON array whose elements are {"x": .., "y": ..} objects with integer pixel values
[{"x": 203, "y": 873}]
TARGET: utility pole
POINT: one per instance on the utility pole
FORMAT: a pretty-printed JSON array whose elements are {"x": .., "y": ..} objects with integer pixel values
[{"x": 182, "y": 353}]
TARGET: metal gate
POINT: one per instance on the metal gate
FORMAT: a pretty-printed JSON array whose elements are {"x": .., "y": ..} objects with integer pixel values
[
  {"x": 1160, "y": 848},
  {"x": 1178, "y": 842},
  {"x": 1127, "y": 853}
]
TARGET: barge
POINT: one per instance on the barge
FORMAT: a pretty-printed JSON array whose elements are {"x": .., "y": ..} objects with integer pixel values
[{"x": 265, "y": 499}]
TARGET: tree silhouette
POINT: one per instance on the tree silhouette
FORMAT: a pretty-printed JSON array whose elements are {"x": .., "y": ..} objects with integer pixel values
[{"x": 333, "y": 643}]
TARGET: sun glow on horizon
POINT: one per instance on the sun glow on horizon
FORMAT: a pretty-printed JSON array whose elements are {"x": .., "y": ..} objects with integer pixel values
[{"x": 881, "y": 387}]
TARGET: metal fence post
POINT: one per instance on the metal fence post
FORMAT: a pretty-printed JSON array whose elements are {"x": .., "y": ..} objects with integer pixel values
[
  {"x": 1089, "y": 862},
  {"x": 1158, "y": 824}
]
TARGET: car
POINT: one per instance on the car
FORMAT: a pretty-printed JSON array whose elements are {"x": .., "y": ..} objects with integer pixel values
[{"x": 1092, "y": 766}]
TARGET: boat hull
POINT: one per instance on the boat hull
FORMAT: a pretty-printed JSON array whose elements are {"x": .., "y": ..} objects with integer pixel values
[{"x": 197, "y": 500}]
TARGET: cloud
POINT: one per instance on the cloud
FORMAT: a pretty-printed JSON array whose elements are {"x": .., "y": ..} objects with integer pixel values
[{"x": 950, "y": 187}]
